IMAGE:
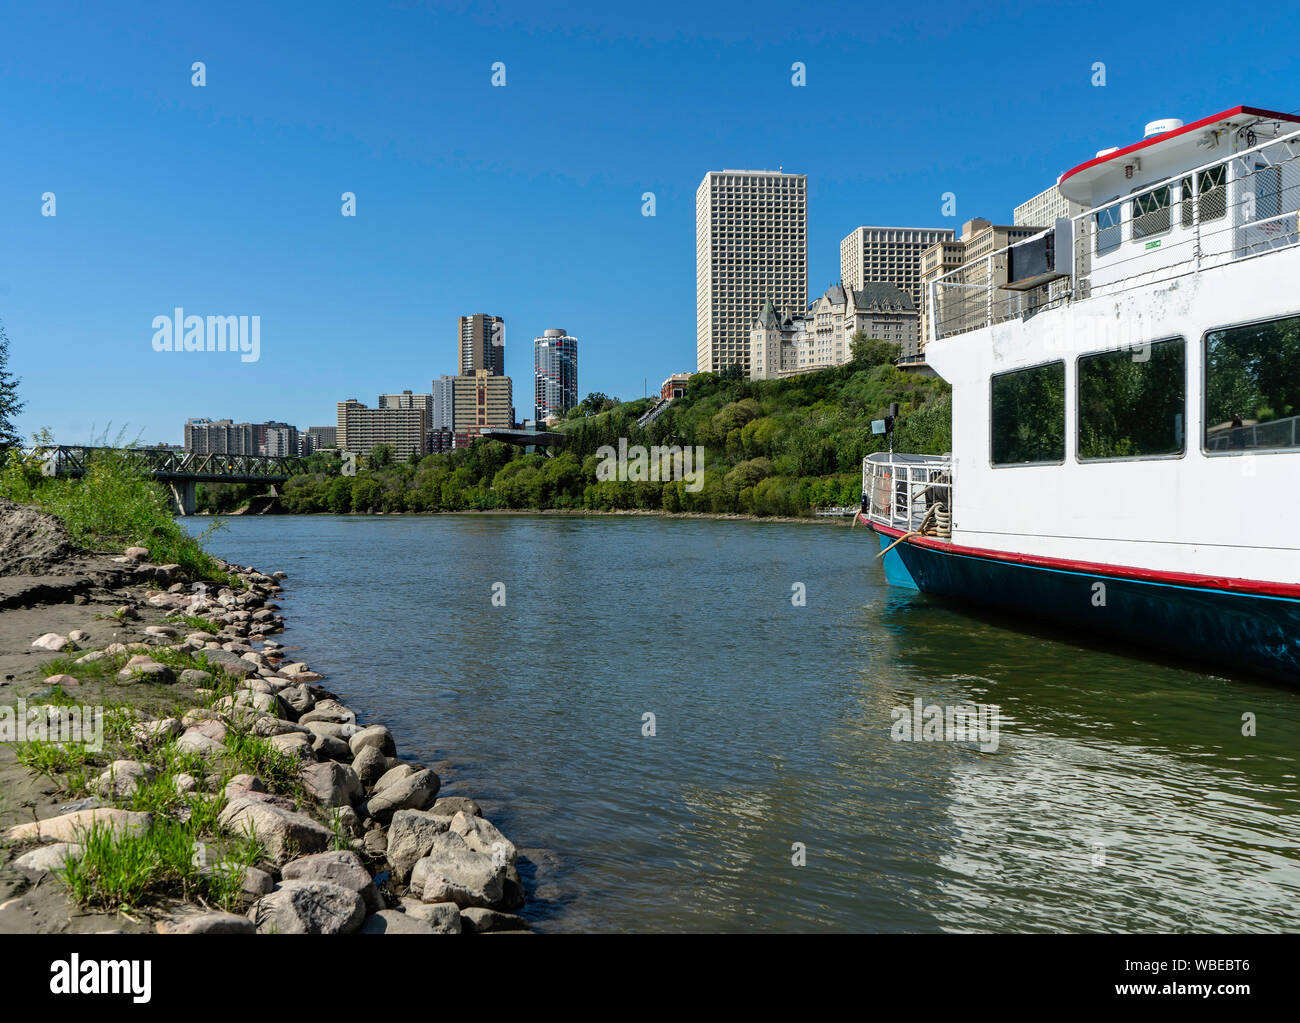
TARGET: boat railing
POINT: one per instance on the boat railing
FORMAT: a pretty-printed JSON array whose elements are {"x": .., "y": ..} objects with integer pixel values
[
  {"x": 908, "y": 492},
  {"x": 1220, "y": 212}
]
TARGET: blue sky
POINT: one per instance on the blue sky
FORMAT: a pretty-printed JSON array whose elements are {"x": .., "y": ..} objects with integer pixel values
[{"x": 523, "y": 201}]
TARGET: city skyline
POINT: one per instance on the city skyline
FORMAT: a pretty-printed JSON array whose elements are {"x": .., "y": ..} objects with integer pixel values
[{"x": 227, "y": 199}]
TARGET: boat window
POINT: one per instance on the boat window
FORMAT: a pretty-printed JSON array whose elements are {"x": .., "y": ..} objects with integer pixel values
[
  {"x": 1109, "y": 228},
  {"x": 1028, "y": 415},
  {"x": 1133, "y": 402},
  {"x": 1268, "y": 192},
  {"x": 1151, "y": 212},
  {"x": 1187, "y": 200},
  {"x": 1214, "y": 193},
  {"x": 1252, "y": 387}
]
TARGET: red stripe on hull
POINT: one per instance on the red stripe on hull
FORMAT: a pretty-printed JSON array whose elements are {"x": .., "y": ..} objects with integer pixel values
[{"x": 1252, "y": 587}]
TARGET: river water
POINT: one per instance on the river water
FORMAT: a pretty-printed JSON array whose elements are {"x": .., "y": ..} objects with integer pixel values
[{"x": 1121, "y": 796}]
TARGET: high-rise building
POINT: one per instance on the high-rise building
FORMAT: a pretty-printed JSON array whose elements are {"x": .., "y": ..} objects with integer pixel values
[
  {"x": 405, "y": 430},
  {"x": 407, "y": 399},
  {"x": 555, "y": 374},
  {"x": 1045, "y": 208},
  {"x": 889, "y": 255},
  {"x": 323, "y": 436},
  {"x": 482, "y": 344},
  {"x": 482, "y": 401},
  {"x": 442, "y": 414},
  {"x": 220, "y": 437},
  {"x": 751, "y": 245},
  {"x": 279, "y": 439}
]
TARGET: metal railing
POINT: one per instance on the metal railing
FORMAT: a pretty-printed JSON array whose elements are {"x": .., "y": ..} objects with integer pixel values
[
  {"x": 899, "y": 490},
  {"x": 1233, "y": 208},
  {"x": 1278, "y": 433}
]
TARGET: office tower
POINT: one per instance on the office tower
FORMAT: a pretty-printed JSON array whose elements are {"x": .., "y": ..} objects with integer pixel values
[
  {"x": 482, "y": 344},
  {"x": 442, "y": 415},
  {"x": 888, "y": 255},
  {"x": 751, "y": 245},
  {"x": 555, "y": 374}
]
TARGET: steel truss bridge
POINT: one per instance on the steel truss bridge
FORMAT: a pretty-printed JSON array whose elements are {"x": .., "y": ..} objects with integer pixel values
[{"x": 181, "y": 470}]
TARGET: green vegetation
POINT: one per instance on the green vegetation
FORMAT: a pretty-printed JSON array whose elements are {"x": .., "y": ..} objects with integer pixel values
[
  {"x": 10, "y": 406},
  {"x": 115, "y": 505},
  {"x": 773, "y": 447}
]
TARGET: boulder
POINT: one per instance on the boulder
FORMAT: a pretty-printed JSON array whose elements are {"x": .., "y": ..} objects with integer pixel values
[
  {"x": 370, "y": 765},
  {"x": 452, "y": 805},
  {"x": 375, "y": 735},
  {"x": 309, "y": 907},
  {"x": 280, "y": 831},
  {"x": 329, "y": 748},
  {"x": 194, "y": 741},
  {"x": 391, "y": 921},
  {"x": 47, "y": 859},
  {"x": 453, "y": 872},
  {"x": 146, "y": 733},
  {"x": 122, "y": 778},
  {"x": 341, "y": 867},
  {"x": 443, "y": 917},
  {"x": 410, "y": 837},
  {"x": 211, "y": 923},
  {"x": 414, "y": 792},
  {"x": 329, "y": 710},
  {"x": 481, "y": 835},
  {"x": 71, "y": 827},
  {"x": 298, "y": 699},
  {"x": 50, "y": 641},
  {"x": 331, "y": 784},
  {"x": 477, "y": 920},
  {"x": 392, "y": 775}
]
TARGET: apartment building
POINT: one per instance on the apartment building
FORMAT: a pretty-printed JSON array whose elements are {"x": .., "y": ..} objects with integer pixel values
[
  {"x": 555, "y": 374},
  {"x": 481, "y": 341},
  {"x": 404, "y": 429},
  {"x": 482, "y": 401},
  {"x": 220, "y": 437},
  {"x": 323, "y": 436},
  {"x": 443, "y": 392},
  {"x": 751, "y": 246}
]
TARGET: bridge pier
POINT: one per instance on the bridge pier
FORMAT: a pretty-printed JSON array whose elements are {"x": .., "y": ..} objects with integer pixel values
[{"x": 184, "y": 498}]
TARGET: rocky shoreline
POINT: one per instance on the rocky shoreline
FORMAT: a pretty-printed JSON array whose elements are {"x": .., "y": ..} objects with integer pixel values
[{"x": 336, "y": 834}]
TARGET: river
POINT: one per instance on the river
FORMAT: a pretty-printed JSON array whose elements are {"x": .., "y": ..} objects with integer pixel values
[{"x": 1122, "y": 794}]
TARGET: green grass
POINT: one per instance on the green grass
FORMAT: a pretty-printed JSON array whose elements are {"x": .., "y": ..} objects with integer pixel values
[
  {"x": 69, "y": 765},
  {"x": 194, "y": 623},
  {"x": 254, "y": 754}
]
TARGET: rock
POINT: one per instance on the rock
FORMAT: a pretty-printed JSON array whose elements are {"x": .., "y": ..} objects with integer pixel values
[
  {"x": 376, "y": 842},
  {"x": 185, "y": 783},
  {"x": 345, "y": 819},
  {"x": 149, "y": 671},
  {"x": 63, "y": 681},
  {"x": 279, "y": 830},
  {"x": 298, "y": 699},
  {"x": 267, "y": 726},
  {"x": 137, "y": 553},
  {"x": 161, "y": 630},
  {"x": 330, "y": 748},
  {"x": 331, "y": 784},
  {"x": 340, "y": 867},
  {"x": 392, "y": 775},
  {"x": 91, "y": 657},
  {"x": 72, "y": 826},
  {"x": 332, "y": 729},
  {"x": 146, "y": 733},
  {"x": 195, "y": 678},
  {"x": 375, "y": 735},
  {"x": 370, "y": 765},
  {"x": 390, "y": 921},
  {"x": 212, "y": 923},
  {"x": 294, "y": 743},
  {"x": 309, "y": 907},
  {"x": 453, "y": 872},
  {"x": 443, "y": 917},
  {"x": 47, "y": 859},
  {"x": 482, "y": 836},
  {"x": 195, "y": 715},
  {"x": 50, "y": 641},
  {"x": 410, "y": 837},
  {"x": 477, "y": 920},
  {"x": 330, "y": 710},
  {"x": 242, "y": 785},
  {"x": 413, "y": 792},
  {"x": 451, "y": 805},
  {"x": 213, "y": 728},
  {"x": 253, "y": 883},
  {"x": 123, "y": 777}
]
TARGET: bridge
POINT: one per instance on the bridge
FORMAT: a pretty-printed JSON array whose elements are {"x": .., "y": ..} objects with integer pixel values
[
  {"x": 180, "y": 470},
  {"x": 529, "y": 440}
]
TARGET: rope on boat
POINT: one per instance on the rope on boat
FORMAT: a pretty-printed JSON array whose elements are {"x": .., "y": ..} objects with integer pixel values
[{"x": 937, "y": 522}]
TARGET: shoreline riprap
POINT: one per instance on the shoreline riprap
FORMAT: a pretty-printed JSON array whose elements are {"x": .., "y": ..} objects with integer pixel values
[{"x": 335, "y": 833}]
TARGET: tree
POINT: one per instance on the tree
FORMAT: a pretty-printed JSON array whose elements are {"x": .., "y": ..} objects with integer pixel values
[
  {"x": 10, "y": 406},
  {"x": 871, "y": 351},
  {"x": 381, "y": 455}
]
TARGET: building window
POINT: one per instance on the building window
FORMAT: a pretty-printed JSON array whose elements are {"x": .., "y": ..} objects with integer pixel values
[
  {"x": 1252, "y": 387},
  {"x": 1151, "y": 212},
  {"x": 1028, "y": 416},
  {"x": 1133, "y": 402}
]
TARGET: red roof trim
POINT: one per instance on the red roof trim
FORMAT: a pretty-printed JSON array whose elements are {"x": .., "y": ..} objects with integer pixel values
[
  {"x": 1251, "y": 587},
  {"x": 1204, "y": 122}
]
